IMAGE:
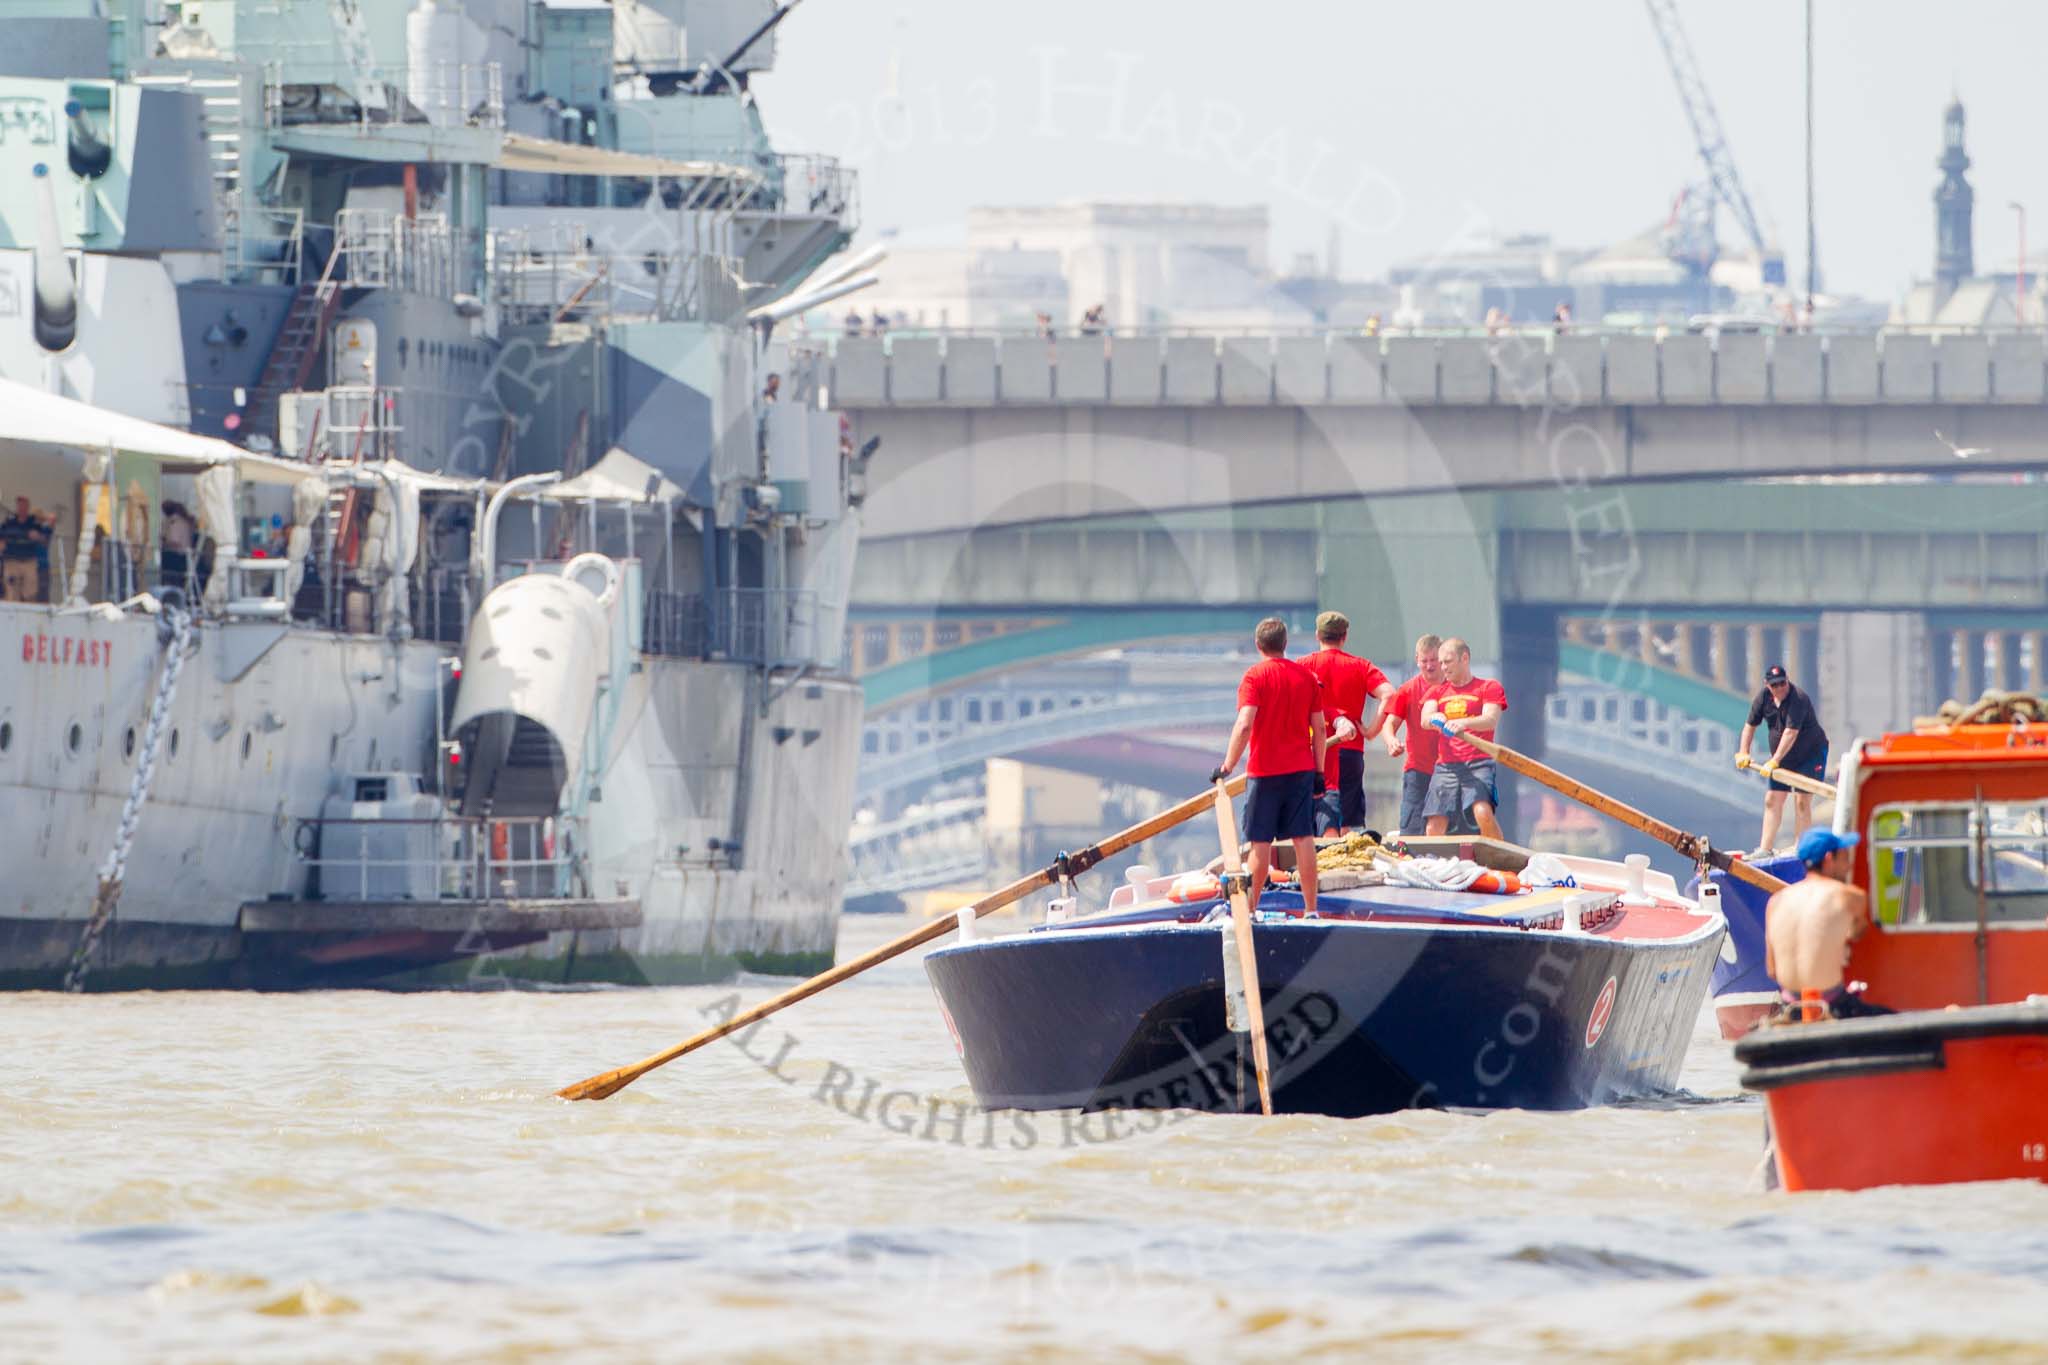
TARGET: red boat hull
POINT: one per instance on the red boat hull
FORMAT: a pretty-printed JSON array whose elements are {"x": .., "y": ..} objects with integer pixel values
[{"x": 1924, "y": 1098}]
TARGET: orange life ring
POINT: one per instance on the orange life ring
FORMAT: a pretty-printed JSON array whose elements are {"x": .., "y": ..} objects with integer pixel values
[
  {"x": 501, "y": 842},
  {"x": 1496, "y": 883},
  {"x": 1194, "y": 888}
]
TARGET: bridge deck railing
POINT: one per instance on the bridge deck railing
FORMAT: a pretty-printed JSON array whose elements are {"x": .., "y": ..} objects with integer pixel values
[{"x": 1518, "y": 367}]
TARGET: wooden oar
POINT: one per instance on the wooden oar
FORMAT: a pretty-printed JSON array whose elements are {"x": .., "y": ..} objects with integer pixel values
[
  {"x": 1690, "y": 845},
  {"x": 1241, "y": 927},
  {"x": 1798, "y": 782},
  {"x": 611, "y": 1082}
]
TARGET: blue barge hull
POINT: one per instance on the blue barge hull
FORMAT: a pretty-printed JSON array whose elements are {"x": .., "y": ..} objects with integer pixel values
[
  {"x": 1743, "y": 991},
  {"x": 1362, "y": 1016}
]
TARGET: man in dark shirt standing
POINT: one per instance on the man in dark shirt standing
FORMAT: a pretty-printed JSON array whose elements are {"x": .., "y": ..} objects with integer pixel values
[
  {"x": 1280, "y": 717},
  {"x": 24, "y": 549},
  {"x": 1798, "y": 745}
]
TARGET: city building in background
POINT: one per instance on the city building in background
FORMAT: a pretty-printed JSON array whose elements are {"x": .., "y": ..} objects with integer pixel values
[
  {"x": 1101, "y": 265},
  {"x": 1119, "y": 267},
  {"x": 1958, "y": 296}
]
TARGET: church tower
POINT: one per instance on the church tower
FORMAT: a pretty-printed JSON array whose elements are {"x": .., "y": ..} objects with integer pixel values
[{"x": 1953, "y": 261}]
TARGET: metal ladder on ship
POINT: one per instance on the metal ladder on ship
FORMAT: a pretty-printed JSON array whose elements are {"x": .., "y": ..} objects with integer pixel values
[{"x": 297, "y": 345}]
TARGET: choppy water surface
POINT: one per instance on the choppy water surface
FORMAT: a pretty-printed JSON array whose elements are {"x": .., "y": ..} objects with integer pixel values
[{"x": 352, "y": 1174}]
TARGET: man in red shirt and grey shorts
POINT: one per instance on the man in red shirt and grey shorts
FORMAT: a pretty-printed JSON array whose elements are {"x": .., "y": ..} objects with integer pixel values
[
  {"x": 1280, "y": 719},
  {"x": 1464, "y": 778}
]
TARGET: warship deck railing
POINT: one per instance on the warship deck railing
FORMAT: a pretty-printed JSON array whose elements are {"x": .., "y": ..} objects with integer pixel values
[
  {"x": 767, "y": 627},
  {"x": 443, "y": 858},
  {"x": 378, "y": 95}
]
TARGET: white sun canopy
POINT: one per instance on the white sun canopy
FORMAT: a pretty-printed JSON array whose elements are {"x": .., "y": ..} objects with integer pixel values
[
  {"x": 425, "y": 480},
  {"x": 618, "y": 477},
  {"x": 35, "y": 423},
  {"x": 546, "y": 157}
]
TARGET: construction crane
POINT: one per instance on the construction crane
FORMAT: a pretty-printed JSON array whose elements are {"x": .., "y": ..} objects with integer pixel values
[{"x": 1706, "y": 131}]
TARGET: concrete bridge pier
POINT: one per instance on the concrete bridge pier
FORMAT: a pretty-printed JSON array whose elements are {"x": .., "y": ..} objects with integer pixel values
[
  {"x": 1875, "y": 674},
  {"x": 1528, "y": 674}
]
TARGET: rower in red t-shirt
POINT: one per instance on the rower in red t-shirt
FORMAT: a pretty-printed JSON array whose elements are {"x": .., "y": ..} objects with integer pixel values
[
  {"x": 1464, "y": 776},
  {"x": 1280, "y": 718},
  {"x": 1402, "y": 710},
  {"x": 1348, "y": 683}
]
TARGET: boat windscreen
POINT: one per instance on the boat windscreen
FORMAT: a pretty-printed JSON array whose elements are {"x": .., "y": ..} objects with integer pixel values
[{"x": 1929, "y": 862}]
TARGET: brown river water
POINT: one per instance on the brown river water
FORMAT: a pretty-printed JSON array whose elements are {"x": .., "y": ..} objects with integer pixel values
[{"x": 354, "y": 1175}]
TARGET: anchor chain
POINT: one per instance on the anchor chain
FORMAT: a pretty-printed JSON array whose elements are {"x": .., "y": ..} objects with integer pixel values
[{"x": 175, "y": 629}]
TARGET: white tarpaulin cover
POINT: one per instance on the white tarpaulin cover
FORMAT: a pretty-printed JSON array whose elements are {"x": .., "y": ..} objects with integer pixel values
[
  {"x": 424, "y": 480},
  {"x": 398, "y": 505},
  {"x": 547, "y": 157},
  {"x": 217, "y": 519},
  {"x": 618, "y": 477}
]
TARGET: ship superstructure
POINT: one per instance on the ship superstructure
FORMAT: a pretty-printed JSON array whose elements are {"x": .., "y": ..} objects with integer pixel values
[{"x": 505, "y": 563}]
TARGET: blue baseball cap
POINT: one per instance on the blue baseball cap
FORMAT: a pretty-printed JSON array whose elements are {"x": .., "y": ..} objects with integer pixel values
[{"x": 1818, "y": 843}]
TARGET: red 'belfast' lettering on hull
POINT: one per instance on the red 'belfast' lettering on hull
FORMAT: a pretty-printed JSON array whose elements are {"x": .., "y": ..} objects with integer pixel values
[{"x": 66, "y": 651}]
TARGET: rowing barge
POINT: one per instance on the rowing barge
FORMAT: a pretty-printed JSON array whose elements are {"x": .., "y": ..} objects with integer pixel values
[{"x": 1393, "y": 996}]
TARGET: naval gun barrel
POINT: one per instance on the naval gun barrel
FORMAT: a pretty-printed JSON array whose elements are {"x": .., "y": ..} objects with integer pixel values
[
  {"x": 54, "y": 308},
  {"x": 722, "y": 72}
]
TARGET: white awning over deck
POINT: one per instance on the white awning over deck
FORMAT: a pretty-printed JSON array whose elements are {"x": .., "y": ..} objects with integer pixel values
[
  {"x": 546, "y": 157},
  {"x": 35, "y": 423},
  {"x": 618, "y": 477}
]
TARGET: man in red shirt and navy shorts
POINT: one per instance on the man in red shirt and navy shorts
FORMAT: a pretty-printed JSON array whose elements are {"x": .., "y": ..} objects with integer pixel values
[
  {"x": 1349, "y": 682},
  {"x": 1464, "y": 777},
  {"x": 1280, "y": 718}
]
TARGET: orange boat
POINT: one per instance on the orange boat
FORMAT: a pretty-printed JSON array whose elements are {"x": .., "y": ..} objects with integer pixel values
[{"x": 1954, "y": 857}]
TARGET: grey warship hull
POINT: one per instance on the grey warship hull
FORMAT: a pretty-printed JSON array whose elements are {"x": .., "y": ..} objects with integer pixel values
[{"x": 512, "y": 592}]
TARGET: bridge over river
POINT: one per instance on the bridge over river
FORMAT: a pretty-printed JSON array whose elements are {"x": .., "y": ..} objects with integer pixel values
[
  {"x": 1648, "y": 519},
  {"x": 980, "y": 431}
]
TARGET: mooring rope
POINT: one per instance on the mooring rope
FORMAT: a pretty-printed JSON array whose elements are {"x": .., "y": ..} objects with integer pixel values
[{"x": 175, "y": 629}]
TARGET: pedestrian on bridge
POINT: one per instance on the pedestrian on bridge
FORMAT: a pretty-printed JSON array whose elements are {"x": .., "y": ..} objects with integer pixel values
[
  {"x": 1798, "y": 745},
  {"x": 1464, "y": 777},
  {"x": 1401, "y": 713},
  {"x": 1280, "y": 719},
  {"x": 1349, "y": 681}
]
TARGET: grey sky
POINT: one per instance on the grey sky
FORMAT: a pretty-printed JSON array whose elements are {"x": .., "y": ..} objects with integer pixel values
[{"x": 1419, "y": 122}]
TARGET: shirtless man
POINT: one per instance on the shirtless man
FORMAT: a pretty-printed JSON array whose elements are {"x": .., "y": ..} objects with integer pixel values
[{"x": 1809, "y": 926}]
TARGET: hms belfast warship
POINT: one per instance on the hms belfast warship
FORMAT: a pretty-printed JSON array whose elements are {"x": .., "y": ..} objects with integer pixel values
[{"x": 445, "y": 559}]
